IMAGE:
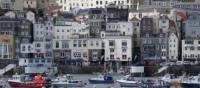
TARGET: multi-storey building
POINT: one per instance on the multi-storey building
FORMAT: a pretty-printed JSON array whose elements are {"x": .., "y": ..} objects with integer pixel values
[
  {"x": 95, "y": 50},
  {"x": 7, "y": 31},
  {"x": 190, "y": 49},
  {"x": 147, "y": 47},
  {"x": 125, "y": 28},
  {"x": 83, "y": 4},
  {"x": 115, "y": 13},
  {"x": 96, "y": 21},
  {"x": 192, "y": 26},
  {"x": 14, "y": 32},
  {"x": 68, "y": 29},
  {"x": 173, "y": 46},
  {"x": 23, "y": 34},
  {"x": 163, "y": 24},
  {"x": 118, "y": 51},
  {"x": 69, "y": 41},
  {"x": 43, "y": 35}
]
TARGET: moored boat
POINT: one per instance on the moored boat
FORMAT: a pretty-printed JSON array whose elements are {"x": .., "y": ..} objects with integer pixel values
[
  {"x": 101, "y": 79},
  {"x": 23, "y": 81},
  {"x": 129, "y": 81},
  {"x": 67, "y": 81},
  {"x": 191, "y": 82},
  {"x": 170, "y": 78}
]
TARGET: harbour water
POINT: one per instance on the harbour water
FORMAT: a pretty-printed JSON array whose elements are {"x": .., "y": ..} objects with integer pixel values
[{"x": 86, "y": 77}]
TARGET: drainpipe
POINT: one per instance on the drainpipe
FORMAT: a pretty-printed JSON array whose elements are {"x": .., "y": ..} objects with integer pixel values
[
  {"x": 2, "y": 50},
  {"x": 8, "y": 51}
]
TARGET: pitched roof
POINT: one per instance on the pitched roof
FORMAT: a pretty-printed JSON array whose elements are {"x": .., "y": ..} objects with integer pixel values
[
  {"x": 135, "y": 19},
  {"x": 182, "y": 15}
]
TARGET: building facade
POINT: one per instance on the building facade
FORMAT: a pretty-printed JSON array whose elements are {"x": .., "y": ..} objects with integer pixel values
[
  {"x": 83, "y": 4},
  {"x": 192, "y": 26},
  {"x": 190, "y": 50},
  {"x": 173, "y": 46},
  {"x": 30, "y": 4},
  {"x": 43, "y": 39}
]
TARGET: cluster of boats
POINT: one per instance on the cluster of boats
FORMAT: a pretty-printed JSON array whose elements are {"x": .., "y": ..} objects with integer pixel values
[
  {"x": 183, "y": 81},
  {"x": 65, "y": 81}
]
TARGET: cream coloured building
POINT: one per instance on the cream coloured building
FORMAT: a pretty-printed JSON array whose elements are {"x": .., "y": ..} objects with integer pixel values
[{"x": 67, "y": 5}]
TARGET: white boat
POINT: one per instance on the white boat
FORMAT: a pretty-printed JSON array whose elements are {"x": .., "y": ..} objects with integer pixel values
[
  {"x": 67, "y": 81},
  {"x": 191, "y": 82},
  {"x": 170, "y": 78},
  {"x": 128, "y": 81}
]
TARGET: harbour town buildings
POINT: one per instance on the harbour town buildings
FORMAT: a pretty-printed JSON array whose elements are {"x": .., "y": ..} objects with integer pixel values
[{"x": 110, "y": 33}]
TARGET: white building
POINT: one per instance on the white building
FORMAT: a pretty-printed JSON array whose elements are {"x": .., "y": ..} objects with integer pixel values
[
  {"x": 173, "y": 44},
  {"x": 190, "y": 49},
  {"x": 66, "y": 29},
  {"x": 77, "y": 48},
  {"x": 126, "y": 28},
  {"x": 30, "y": 4},
  {"x": 43, "y": 38},
  {"x": 43, "y": 30},
  {"x": 84, "y": 4},
  {"x": 118, "y": 48},
  {"x": 70, "y": 41}
]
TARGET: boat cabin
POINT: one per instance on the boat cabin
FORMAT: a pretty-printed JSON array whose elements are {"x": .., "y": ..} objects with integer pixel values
[{"x": 20, "y": 78}]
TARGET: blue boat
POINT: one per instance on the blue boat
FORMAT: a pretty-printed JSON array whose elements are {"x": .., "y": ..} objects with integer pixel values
[{"x": 102, "y": 79}]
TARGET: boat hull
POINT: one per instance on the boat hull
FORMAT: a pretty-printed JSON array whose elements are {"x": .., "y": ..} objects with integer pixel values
[
  {"x": 101, "y": 81},
  {"x": 190, "y": 85},
  {"x": 24, "y": 85}
]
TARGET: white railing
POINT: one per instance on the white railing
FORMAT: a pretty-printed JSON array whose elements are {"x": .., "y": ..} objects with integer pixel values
[
  {"x": 162, "y": 69},
  {"x": 7, "y": 68}
]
